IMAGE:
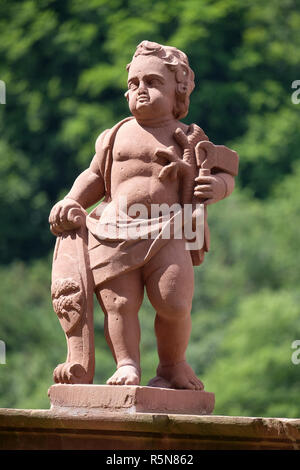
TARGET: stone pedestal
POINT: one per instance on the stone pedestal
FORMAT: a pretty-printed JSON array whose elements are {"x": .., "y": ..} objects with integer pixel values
[
  {"x": 67, "y": 428},
  {"x": 131, "y": 399}
]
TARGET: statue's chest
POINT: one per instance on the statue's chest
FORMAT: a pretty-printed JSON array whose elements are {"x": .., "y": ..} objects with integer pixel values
[{"x": 139, "y": 146}]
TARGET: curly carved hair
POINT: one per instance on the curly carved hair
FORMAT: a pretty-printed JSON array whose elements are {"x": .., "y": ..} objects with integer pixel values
[{"x": 176, "y": 61}]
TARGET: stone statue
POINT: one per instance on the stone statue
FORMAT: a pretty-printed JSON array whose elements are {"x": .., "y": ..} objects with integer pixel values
[{"x": 152, "y": 175}]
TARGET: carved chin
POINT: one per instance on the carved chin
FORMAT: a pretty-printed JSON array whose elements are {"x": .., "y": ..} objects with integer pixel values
[{"x": 140, "y": 106}]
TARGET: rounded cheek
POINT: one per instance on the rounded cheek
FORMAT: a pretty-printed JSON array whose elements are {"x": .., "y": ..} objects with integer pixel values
[
  {"x": 154, "y": 94},
  {"x": 131, "y": 102},
  {"x": 162, "y": 101}
]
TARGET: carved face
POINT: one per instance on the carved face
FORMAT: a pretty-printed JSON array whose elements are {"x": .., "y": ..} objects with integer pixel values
[{"x": 151, "y": 88}]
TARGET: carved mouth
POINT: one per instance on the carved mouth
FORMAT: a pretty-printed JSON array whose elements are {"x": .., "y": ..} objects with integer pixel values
[{"x": 143, "y": 99}]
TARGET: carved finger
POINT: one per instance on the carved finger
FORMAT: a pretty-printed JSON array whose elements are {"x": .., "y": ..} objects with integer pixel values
[
  {"x": 204, "y": 194},
  {"x": 56, "y": 214},
  {"x": 64, "y": 214},
  {"x": 167, "y": 170},
  {"x": 164, "y": 173},
  {"x": 203, "y": 187},
  {"x": 204, "y": 179},
  {"x": 56, "y": 229},
  {"x": 168, "y": 153},
  {"x": 52, "y": 215},
  {"x": 53, "y": 229},
  {"x": 191, "y": 130},
  {"x": 181, "y": 138}
]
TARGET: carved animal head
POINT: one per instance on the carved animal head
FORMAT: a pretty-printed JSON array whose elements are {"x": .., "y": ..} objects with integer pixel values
[{"x": 66, "y": 297}]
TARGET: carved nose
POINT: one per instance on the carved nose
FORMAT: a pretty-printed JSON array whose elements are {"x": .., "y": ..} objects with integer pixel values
[{"x": 142, "y": 88}]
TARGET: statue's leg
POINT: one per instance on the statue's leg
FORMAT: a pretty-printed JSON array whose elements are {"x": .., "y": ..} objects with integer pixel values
[
  {"x": 120, "y": 300},
  {"x": 170, "y": 286}
]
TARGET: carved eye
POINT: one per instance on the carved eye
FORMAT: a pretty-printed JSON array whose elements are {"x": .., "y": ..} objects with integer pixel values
[
  {"x": 132, "y": 86},
  {"x": 153, "y": 82}
]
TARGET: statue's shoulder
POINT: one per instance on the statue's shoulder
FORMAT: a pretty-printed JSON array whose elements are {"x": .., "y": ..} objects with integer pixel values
[
  {"x": 104, "y": 144},
  {"x": 105, "y": 139},
  {"x": 103, "y": 147}
]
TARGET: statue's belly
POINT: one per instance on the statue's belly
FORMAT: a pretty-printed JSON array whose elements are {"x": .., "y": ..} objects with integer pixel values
[{"x": 143, "y": 187}]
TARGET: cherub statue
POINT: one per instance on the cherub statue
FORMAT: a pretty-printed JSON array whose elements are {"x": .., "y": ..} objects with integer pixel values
[{"x": 151, "y": 159}]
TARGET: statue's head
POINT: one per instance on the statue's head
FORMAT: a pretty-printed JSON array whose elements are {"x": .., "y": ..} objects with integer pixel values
[{"x": 175, "y": 67}]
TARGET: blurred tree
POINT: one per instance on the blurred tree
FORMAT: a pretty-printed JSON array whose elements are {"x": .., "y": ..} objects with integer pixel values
[
  {"x": 64, "y": 67},
  {"x": 254, "y": 374}
]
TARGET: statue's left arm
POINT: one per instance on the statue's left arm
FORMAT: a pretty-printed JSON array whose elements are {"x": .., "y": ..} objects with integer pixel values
[{"x": 218, "y": 166}]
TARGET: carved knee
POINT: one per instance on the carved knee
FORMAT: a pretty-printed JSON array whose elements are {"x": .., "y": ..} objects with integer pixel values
[
  {"x": 174, "y": 309},
  {"x": 116, "y": 304}
]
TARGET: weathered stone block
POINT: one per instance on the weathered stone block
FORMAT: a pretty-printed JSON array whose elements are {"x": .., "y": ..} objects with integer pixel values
[{"x": 131, "y": 399}]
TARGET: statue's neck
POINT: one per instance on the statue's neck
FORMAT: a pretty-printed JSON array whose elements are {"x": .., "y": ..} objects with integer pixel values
[{"x": 164, "y": 122}]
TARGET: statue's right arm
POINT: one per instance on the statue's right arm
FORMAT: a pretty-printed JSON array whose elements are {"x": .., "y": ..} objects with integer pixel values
[{"x": 88, "y": 188}]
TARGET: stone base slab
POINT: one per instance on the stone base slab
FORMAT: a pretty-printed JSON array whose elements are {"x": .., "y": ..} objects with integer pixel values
[
  {"x": 71, "y": 428},
  {"x": 131, "y": 399}
]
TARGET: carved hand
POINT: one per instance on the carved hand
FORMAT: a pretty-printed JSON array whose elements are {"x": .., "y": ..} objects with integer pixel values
[
  {"x": 176, "y": 165},
  {"x": 211, "y": 188},
  {"x": 61, "y": 217}
]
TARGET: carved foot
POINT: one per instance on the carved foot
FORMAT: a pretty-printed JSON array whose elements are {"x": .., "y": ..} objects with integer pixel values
[
  {"x": 159, "y": 382},
  {"x": 179, "y": 375},
  {"x": 125, "y": 375},
  {"x": 70, "y": 373}
]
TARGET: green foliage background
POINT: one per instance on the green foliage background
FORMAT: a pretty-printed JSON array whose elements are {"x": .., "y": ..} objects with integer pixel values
[{"x": 64, "y": 68}]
